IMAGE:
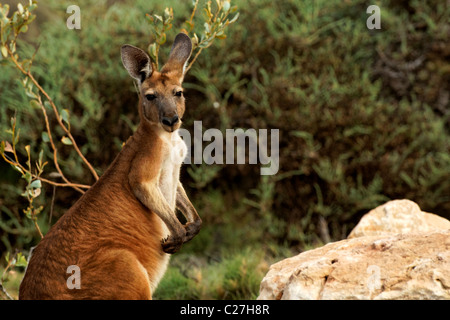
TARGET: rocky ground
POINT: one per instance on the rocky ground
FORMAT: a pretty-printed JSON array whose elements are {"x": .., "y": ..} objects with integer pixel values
[{"x": 395, "y": 252}]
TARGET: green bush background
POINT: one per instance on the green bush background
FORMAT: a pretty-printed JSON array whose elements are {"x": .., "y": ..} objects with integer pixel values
[{"x": 363, "y": 118}]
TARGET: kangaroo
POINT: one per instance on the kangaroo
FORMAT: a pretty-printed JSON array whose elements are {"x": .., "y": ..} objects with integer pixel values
[{"x": 121, "y": 232}]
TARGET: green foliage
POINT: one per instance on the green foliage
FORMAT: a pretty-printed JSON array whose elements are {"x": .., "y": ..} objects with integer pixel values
[
  {"x": 233, "y": 276},
  {"x": 16, "y": 261},
  {"x": 347, "y": 145},
  {"x": 363, "y": 118},
  {"x": 214, "y": 27}
]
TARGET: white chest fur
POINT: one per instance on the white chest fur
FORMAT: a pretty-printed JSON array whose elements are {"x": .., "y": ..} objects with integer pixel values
[{"x": 175, "y": 151}]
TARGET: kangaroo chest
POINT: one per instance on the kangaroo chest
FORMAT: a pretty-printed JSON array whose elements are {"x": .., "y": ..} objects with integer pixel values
[{"x": 175, "y": 151}]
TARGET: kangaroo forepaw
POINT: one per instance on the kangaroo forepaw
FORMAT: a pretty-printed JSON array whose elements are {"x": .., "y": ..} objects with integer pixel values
[
  {"x": 171, "y": 245},
  {"x": 192, "y": 229}
]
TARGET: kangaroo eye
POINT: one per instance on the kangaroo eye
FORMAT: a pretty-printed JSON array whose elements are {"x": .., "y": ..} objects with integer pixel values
[
  {"x": 150, "y": 97},
  {"x": 179, "y": 93}
]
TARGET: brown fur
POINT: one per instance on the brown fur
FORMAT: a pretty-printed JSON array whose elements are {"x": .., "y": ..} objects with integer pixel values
[{"x": 116, "y": 232}]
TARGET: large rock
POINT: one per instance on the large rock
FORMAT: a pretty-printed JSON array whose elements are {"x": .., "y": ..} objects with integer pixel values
[
  {"x": 404, "y": 266},
  {"x": 398, "y": 216}
]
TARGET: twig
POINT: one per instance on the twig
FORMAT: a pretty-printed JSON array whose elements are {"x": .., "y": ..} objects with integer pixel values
[
  {"x": 193, "y": 12},
  {"x": 57, "y": 184},
  {"x": 193, "y": 60},
  {"x": 51, "y": 205},
  {"x": 55, "y": 150},
  {"x": 213, "y": 20},
  {"x": 70, "y": 184},
  {"x": 32, "y": 57},
  {"x": 37, "y": 227},
  {"x": 55, "y": 110},
  {"x": 5, "y": 292},
  {"x": 3, "y": 278}
]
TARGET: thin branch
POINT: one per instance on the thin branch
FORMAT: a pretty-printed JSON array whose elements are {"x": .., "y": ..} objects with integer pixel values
[
  {"x": 5, "y": 292},
  {"x": 51, "y": 206},
  {"x": 216, "y": 15},
  {"x": 3, "y": 279},
  {"x": 70, "y": 184},
  {"x": 193, "y": 12},
  {"x": 32, "y": 57},
  {"x": 38, "y": 228},
  {"x": 55, "y": 110},
  {"x": 193, "y": 60},
  {"x": 57, "y": 184},
  {"x": 55, "y": 150}
]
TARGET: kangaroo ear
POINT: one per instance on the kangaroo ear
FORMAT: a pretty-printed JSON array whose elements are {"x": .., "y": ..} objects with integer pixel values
[
  {"x": 179, "y": 55},
  {"x": 137, "y": 62}
]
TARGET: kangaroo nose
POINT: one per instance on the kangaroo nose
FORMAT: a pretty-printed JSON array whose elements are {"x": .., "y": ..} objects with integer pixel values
[{"x": 170, "y": 121}]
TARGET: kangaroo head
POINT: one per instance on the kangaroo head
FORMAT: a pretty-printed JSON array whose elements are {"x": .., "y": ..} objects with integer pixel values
[{"x": 161, "y": 100}]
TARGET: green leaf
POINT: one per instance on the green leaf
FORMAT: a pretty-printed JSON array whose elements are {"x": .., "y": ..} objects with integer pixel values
[
  {"x": 30, "y": 94},
  {"x": 31, "y": 19},
  {"x": 27, "y": 212},
  {"x": 21, "y": 261},
  {"x": 36, "y": 184},
  {"x": 6, "y": 9},
  {"x": 152, "y": 50},
  {"x": 27, "y": 176},
  {"x": 13, "y": 122},
  {"x": 6, "y": 30},
  {"x": 65, "y": 116},
  {"x": 235, "y": 18},
  {"x": 205, "y": 43},
  {"x": 162, "y": 39},
  {"x": 150, "y": 18},
  {"x": 18, "y": 169},
  {"x": 207, "y": 27},
  {"x": 12, "y": 46},
  {"x": 66, "y": 141},
  {"x": 14, "y": 17},
  {"x": 23, "y": 28},
  {"x": 16, "y": 140},
  {"x": 45, "y": 137},
  {"x": 195, "y": 41},
  {"x": 32, "y": 7},
  {"x": 34, "y": 104},
  {"x": 168, "y": 13},
  {"x": 41, "y": 156},
  {"x": 4, "y": 51},
  {"x": 226, "y": 5}
]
